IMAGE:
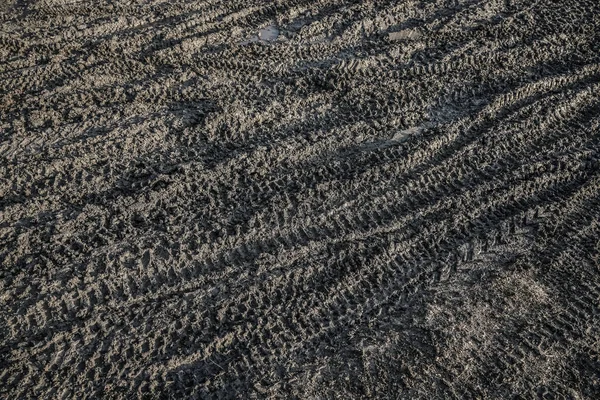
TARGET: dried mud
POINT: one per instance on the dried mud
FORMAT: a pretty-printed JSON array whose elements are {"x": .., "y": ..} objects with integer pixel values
[{"x": 299, "y": 199}]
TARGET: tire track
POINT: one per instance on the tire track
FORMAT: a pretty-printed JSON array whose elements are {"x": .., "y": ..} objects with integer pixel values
[{"x": 392, "y": 199}]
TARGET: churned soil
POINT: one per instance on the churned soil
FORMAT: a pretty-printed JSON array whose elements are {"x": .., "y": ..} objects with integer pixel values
[{"x": 299, "y": 199}]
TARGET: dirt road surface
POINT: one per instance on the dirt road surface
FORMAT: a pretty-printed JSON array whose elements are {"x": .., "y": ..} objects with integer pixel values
[{"x": 300, "y": 199}]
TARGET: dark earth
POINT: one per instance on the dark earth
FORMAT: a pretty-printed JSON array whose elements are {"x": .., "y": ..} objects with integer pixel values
[{"x": 300, "y": 199}]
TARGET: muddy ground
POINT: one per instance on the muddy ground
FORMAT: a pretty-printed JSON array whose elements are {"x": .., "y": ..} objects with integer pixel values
[{"x": 300, "y": 199}]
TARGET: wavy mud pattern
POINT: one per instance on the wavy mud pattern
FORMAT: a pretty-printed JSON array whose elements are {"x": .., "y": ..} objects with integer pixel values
[{"x": 300, "y": 199}]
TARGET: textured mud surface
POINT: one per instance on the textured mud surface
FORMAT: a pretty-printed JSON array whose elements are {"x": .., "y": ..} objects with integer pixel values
[{"x": 299, "y": 199}]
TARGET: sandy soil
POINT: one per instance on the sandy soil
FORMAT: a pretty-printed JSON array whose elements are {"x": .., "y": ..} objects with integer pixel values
[{"x": 300, "y": 199}]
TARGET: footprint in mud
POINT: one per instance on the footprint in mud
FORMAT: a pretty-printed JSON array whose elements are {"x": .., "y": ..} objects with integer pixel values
[
  {"x": 269, "y": 33},
  {"x": 407, "y": 34}
]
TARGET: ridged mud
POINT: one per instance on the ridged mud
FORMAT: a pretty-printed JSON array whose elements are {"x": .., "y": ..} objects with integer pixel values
[{"x": 300, "y": 199}]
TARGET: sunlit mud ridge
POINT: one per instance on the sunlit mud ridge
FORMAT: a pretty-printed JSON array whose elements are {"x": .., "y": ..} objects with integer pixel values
[{"x": 300, "y": 199}]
